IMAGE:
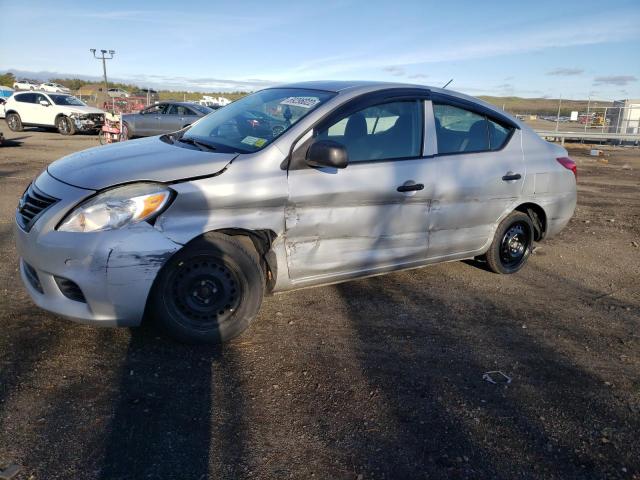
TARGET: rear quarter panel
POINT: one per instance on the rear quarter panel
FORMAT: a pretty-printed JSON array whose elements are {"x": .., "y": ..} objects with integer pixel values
[{"x": 548, "y": 183}]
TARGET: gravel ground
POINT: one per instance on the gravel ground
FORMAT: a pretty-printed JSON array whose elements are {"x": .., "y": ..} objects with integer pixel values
[{"x": 376, "y": 378}]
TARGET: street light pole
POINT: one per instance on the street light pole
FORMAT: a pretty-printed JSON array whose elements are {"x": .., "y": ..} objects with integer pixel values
[{"x": 104, "y": 56}]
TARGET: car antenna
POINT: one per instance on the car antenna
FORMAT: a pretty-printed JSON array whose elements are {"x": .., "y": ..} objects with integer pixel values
[{"x": 447, "y": 84}]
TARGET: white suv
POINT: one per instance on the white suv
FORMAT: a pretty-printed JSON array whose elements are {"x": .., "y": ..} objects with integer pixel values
[
  {"x": 64, "y": 112},
  {"x": 54, "y": 88}
]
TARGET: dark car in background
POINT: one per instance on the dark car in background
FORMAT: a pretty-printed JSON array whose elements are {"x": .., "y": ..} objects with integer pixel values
[{"x": 163, "y": 117}]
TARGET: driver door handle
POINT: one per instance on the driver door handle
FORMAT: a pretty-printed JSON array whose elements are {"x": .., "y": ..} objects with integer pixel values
[
  {"x": 410, "y": 188},
  {"x": 511, "y": 176}
]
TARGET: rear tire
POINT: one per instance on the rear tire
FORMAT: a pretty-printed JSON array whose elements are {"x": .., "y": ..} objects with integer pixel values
[
  {"x": 14, "y": 122},
  {"x": 65, "y": 126},
  {"x": 512, "y": 244},
  {"x": 209, "y": 292}
]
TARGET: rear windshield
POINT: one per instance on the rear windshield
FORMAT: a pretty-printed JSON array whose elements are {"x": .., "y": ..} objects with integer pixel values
[{"x": 253, "y": 122}]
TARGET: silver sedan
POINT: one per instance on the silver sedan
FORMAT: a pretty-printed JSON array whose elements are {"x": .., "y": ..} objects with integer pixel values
[
  {"x": 163, "y": 117},
  {"x": 294, "y": 186}
]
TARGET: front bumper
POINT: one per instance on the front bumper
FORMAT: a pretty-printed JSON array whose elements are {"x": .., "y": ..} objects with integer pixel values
[
  {"x": 114, "y": 270},
  {"x": 89, "y": 122}
]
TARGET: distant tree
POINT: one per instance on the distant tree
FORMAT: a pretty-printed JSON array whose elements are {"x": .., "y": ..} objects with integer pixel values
[{"x": 7, "y": 79}]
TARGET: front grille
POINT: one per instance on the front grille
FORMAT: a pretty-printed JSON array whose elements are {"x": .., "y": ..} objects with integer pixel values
[
  {"x": 70, "y": 289},
  {"x": 97, "y": 118},
  {"x": 32, "y": 204},
  {"x": 32, "y": 277}
]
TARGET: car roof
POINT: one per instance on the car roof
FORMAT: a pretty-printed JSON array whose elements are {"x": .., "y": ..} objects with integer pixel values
[
  {"x": 339, "y": 86},
  {"x": 361, "y": 87},
  {"x": 174, "y": 102}
]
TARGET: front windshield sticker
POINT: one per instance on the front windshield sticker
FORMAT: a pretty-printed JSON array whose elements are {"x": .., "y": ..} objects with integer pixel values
[
  {"x": 304, "y": 102},
  {"x": 254, "y": 141}
]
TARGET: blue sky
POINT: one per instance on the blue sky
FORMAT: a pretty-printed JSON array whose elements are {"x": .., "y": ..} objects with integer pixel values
[{"x": 532, "y": 49}]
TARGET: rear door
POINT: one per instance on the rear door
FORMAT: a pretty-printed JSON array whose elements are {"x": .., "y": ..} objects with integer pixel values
[
  {"x": 477, "y": 175},
  {"x": 26, "y": 108},
  {"x": 370, "y": 216}
]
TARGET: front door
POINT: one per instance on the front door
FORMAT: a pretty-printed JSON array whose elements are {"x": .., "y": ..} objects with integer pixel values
[
  {"x": 148, "y": 121},
  {"x": 370, "y": 215}
]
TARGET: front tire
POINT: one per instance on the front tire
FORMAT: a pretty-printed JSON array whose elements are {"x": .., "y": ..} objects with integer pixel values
[
  {"x": 125, "y": 134},
  {"x": 65, "y": 126},
  {"x": 209, "y": 292},
  {"x": 512, "y": 244},
  {"x": 14, "y": 122}
]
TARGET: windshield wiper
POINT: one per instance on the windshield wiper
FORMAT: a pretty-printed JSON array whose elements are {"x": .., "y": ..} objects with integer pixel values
[{"x": 201, "y": 145}]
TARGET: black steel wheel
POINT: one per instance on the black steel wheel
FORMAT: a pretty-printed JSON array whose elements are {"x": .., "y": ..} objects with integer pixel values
[
  {"x": 204, "y": 292},
  {"x": 14, "y": 122},
  {"x": 209, "y": 291},
  {"x": 512, "y": 244}
]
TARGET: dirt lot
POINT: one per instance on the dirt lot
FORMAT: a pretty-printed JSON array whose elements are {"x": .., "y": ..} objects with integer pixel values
[{"x": 378, "y": 378}]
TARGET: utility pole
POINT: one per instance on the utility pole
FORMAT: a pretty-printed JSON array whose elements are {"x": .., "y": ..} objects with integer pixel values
[
  {"x": 105, "y": 55},
  {"x": 588, "y": 119},
  {"x": 558, "y": 115}
]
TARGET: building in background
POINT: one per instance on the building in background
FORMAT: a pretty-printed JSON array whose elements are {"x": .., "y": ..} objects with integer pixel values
[{"x": 624, "y": 116}]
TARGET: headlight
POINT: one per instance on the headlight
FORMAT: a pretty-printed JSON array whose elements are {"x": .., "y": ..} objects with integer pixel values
[{"x": 117, "y": 207}]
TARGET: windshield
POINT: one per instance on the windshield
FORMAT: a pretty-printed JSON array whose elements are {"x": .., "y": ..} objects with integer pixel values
[
  {"x": 251, "y": 123},
  {"x": 67, "y": 100}
]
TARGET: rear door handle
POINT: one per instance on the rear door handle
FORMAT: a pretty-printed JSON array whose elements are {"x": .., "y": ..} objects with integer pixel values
[
  {"x": 511, "y": 176},
  {"x": 410, "y": 188}
]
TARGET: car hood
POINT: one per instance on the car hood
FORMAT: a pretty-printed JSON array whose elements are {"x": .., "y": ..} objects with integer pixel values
[
  {"x": 147, "y": 159},
  {"x": 81, "y": 110}
]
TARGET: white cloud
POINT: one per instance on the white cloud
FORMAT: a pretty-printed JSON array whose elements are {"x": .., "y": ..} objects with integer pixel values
[{"x": 507, "y": 42}]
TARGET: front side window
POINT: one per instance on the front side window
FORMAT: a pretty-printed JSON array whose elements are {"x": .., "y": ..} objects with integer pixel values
[
  {"x": 251, "y": 123},
  {"x": 381, "y": 132},
  {"x": 155, "y": 109}
]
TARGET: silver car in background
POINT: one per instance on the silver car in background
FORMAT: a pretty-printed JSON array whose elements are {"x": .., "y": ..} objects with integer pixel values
[
  {"x": 163, "y": 117},
  {"x": 294, "y": 186}
]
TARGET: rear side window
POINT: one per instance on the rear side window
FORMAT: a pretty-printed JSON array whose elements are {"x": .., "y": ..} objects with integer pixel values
[
  {"x": 381, "y": 132},
  {"x": 498, "y": 135},
  {"x": 459, "y": 130},
  {"x": 26, "y": 98}
]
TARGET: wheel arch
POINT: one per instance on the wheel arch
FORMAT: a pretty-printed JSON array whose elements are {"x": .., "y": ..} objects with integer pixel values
[
  {"x": 260, "y": 240},
  {"x": 538, "y": 217}
]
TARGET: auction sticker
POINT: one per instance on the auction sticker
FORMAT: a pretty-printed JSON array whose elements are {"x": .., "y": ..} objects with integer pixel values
[
  {"x": 254, "y": 141},
  {"x": 304, "y": 102}
]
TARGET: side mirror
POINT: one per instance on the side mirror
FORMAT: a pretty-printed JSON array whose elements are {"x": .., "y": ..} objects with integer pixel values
[
  {"x": 327, "y": 153},
  {"x": 44, "y": 103}
]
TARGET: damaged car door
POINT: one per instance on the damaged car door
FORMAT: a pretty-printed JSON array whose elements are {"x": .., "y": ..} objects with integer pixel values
[{"x": 371, "y": 215}]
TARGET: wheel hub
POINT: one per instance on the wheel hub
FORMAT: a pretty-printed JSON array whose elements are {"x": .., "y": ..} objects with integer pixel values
[
  {"x": 204, "y": 291},
  {"x": 514, "y": 244}
]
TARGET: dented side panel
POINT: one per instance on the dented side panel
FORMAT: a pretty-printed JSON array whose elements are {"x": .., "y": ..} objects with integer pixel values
[{"x": 354, "y": 219}]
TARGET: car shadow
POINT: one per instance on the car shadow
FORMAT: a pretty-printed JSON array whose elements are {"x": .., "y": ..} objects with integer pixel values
[
  {"x": 178, "y": 411},
  {"x": 426, "y": 360}
]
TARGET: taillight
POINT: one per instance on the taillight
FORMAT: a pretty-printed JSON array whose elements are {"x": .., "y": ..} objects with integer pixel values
[{"x": 569, "y": 164}]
